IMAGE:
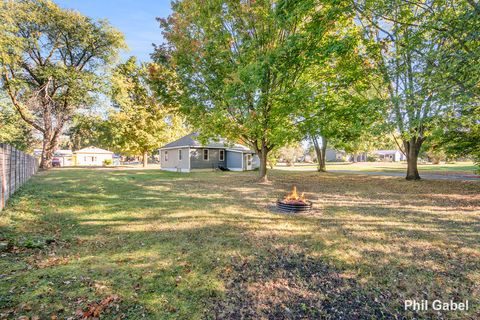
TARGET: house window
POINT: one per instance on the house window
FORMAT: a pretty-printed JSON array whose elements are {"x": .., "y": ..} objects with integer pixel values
[
  {"x": 205, "y": 154},
  {"x": 180, "y": 154},
  {"x": 221, "y": 155},
  {"x": 166, "y": 155}
]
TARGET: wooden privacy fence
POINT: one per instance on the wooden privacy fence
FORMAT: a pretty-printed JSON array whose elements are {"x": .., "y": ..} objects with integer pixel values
[{"x": 16, "y": 167}]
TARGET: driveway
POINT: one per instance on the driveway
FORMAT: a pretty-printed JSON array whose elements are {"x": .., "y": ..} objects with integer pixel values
[{"x": 426, "y": 176}]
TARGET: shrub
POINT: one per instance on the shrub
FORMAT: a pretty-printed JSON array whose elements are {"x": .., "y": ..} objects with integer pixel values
[{"x": 107, "y": 162}]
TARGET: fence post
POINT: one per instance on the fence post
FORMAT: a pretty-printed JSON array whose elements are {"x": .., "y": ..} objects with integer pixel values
[
  {"x": 22, "y": 167},
  {"x": 2, "y": 172},
  {"x": 9, "y": 181},
  {"x": 15, "y": 171},
  {"x": 20, "y": 172},
  {"x": 24, "y": 156}
]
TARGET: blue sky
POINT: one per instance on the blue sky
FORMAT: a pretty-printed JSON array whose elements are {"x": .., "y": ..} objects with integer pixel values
[{"x": 135, "y": 18}]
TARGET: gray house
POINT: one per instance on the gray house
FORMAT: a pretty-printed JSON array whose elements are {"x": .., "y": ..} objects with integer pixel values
[{"x": 187, "y": 153}]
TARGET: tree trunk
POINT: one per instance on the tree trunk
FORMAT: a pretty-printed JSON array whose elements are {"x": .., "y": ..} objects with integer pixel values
[
  {"x": 145, "y": 159},
  {"x": 321, "y": 153},
  {"x": 263, "y": 155},
  {"x": 412, "y": 149},
  {"x": 47, "y": 156},
  {"x": 49, "y": 147}
]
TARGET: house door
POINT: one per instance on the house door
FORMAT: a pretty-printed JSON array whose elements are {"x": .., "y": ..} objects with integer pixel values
[{"x": 249, "y": 161}]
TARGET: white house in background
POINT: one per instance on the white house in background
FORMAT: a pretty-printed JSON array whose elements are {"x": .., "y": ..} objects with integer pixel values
[
  {"x": 92, "y": 156},
  {"x": 390, "y": 155}
]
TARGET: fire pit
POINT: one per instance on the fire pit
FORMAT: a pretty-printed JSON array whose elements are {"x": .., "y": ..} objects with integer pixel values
[{"x": 294, "y": 203}]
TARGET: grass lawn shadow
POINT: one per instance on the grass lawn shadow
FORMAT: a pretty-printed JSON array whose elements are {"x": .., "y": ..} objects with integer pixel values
[{"x": 206, "y": 245}]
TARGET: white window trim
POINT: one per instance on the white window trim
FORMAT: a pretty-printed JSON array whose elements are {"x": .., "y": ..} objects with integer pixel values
[
  {"x": 221, "y": 155},
  {"x": 165, "y": 156},
  {"x": 208, "y": 154},
  {"x": 180, "y": 154}
]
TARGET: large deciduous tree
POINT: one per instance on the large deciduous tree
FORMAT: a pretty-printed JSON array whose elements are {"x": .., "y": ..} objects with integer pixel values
[
  {"x": 142, "y": 121},
  {"x": 344, "y": 102},
  {"x": 239, "y": 64},
  {"x": 341, "y": 123},
  {"x": 52, "y": 63},
  {"x": 427, "y": 53}
]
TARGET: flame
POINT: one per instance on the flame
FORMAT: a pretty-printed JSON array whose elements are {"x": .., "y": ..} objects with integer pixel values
[{"x": 294, "y": 197}]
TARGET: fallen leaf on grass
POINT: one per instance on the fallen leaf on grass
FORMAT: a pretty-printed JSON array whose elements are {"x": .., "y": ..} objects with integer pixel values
[
  {"x": 99, "y": 286},
  {"x": 25, "y": 307},
  {"x": 137, "y": 287},
  {"x": 95, "y": 309},
  {"x": 51, "y": 262}
]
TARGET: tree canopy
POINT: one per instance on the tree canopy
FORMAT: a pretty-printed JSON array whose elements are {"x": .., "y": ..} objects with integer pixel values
[
  {"x": 425, "y": 57},
  {"x": 240, "y": 64},
  {"x": 13, "y": 130},
  {"x": 141, "y": 121},
  {"x": 344, "y": 103},
  {"x": 52, "y": 61},
  {"x": 88, "y": 130}
]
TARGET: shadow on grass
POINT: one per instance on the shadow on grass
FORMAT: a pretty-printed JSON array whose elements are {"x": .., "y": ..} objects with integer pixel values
[{"x": 203, "y": 245}]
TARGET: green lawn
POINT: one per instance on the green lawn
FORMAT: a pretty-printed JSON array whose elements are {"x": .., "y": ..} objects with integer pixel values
[
  {"x": 451, "y": 168},
  {"x": 150, "y": 244}
]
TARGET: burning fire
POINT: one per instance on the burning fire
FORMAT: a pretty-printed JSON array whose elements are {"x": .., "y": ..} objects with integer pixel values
[{"x": 294, "y": 198}]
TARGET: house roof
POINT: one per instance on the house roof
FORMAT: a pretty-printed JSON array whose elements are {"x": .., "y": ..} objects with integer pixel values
[
  {"x": 94, "y": 150},
  {"x": 386, "y": 151},
  {"x": 191, "y": 140}
]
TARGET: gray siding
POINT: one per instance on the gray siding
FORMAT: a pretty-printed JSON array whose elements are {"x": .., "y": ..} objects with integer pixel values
[
  {"x": 192, "y": 158},
  {"x": 234, "y": 160},
  {"x": 197, "y": 162},
  {"x": 173, "y": 163}
]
